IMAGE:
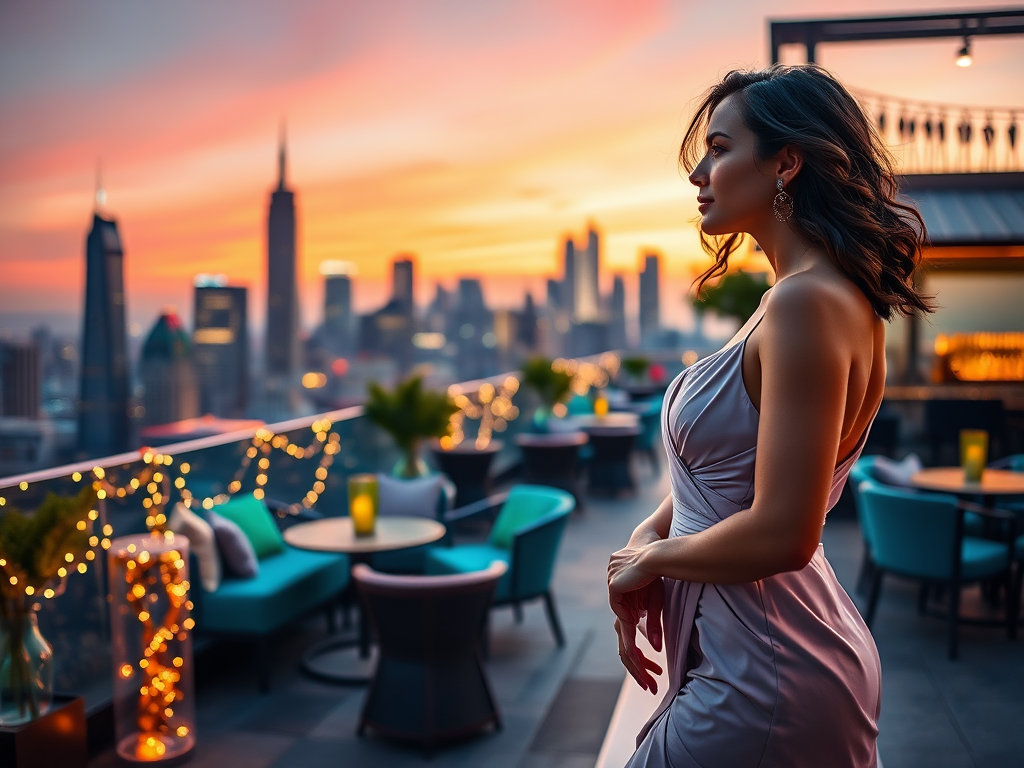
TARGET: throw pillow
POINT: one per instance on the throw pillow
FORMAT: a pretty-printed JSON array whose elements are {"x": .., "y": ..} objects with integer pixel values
[
  {"x": 201, "y": 538},
  {"x": 235, "y": 548},
  {"x": 417, "y": 497},
  {"x": 253, "y": 517},
  {"x": 899, "y": 473}
]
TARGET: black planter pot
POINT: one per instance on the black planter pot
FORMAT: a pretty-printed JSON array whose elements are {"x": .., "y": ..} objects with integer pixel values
[
  {"x": 468, "y": 467},
  {"x": 58, "y": 738}
]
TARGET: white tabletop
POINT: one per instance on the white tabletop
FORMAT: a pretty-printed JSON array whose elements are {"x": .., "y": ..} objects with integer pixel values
[
  {"x": 994, "y": 482},
  {"x": 335, "y": 534}
]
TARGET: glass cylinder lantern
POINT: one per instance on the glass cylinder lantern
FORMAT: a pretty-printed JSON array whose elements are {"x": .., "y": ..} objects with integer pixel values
[
  {"x": 151, "y": 634},
  {"x": 363, "y": 500},
  {"x": 973, "y": 453}
]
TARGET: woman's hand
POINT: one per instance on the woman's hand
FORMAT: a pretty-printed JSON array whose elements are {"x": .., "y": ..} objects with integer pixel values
[{"x": 637, "y": 600}]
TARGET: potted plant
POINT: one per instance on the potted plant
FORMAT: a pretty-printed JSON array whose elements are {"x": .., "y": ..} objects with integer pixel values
[
  {"x": 36, "y": 553},
  {"x": 551, "y": 387},
  {"x": 410, "y": 414},
  {"x": 635, "y": 368}
]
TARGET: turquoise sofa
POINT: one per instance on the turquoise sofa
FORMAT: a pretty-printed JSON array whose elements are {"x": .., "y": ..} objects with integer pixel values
[{"x": 291, "y": 582}]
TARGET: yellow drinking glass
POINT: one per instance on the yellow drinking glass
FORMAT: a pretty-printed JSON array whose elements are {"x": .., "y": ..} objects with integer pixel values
[
  {"x": 363, "y": 500},
  {"x": 973, "y": 453},
  {"x": 600, "y": 406}
]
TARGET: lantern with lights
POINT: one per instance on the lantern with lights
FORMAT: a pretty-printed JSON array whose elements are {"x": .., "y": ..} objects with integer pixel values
[{"x": 151, "y": 633}]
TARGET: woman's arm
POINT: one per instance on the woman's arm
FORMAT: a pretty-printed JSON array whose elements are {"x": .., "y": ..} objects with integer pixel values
[
  {"x": 805, "y": 357},
  {"x": 655, "y": 527}
]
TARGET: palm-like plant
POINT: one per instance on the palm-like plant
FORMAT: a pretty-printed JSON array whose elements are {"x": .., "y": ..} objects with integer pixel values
[
  {"x": 551, "y": 386},
  {"x": 735, "y": 295},
  {"x": 410, "y": 414},
  {"x": 36, "y": 553},
  {"x": 635, "y": 367}
]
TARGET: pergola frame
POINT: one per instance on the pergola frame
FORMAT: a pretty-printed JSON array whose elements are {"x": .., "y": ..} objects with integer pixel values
[{"x": 810, "y": 32}]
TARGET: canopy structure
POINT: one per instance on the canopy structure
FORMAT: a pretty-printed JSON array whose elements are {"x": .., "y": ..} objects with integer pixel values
[{"x": 975, "y": 221}]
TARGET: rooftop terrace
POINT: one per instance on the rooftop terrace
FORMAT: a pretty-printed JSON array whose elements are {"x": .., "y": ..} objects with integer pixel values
[{"x": 556, "y": 704}]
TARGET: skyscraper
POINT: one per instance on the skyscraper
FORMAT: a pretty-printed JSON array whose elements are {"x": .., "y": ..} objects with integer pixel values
[
  {"x": 167, "y": 373},
  {"x": 339, "y": 327},
  {"x": 617, "y": 315},
  {"x": 650, "y": 320},
  {"x": 568, "y": 293},
  {"x": 20, "y": 379},
  {"x": 220, "y": 346},
  {"x": 282, "y": 289},
  {"x": 402, "y": 283},
  {"x": 103, "y": 426}
]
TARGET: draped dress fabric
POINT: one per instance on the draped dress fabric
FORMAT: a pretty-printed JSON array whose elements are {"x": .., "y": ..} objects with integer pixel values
[{"x": 778, "y": 672}]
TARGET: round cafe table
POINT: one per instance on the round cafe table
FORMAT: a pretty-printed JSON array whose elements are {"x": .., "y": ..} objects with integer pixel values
[
  {"x": 335, "y": 534},
  {"x": 994, "y": 482}
]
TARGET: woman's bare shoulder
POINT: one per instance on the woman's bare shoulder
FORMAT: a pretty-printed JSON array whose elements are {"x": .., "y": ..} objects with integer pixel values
[{"x": 821, "y": 300}]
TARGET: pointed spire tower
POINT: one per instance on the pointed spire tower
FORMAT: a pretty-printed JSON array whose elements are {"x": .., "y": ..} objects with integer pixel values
[
  {"x": 282, "y": 158},
  {"x": 103, "y": 425},
  {"x": 282, "y": 285}
]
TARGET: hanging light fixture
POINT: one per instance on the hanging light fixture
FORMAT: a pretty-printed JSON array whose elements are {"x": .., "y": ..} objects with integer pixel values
[{"x": 963, "y": 56}]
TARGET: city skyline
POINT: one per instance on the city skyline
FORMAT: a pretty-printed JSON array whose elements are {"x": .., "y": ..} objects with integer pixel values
[{"x": 476, "y": 170}]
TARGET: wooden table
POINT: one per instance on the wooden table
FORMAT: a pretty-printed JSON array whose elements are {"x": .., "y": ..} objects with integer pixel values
[
  {"x": 335, "y": 534},
  {"x": 994, "y": 482}
]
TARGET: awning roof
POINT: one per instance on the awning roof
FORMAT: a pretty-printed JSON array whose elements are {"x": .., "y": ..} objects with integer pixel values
[{"x": 969, "y": 208}]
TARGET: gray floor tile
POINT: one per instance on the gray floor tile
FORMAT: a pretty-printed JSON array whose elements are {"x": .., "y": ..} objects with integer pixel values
[
  {"x": 992, "y": 726},
  {"x": 920, "y": 728},
  {"x": 918, "y": 757},
  {"x": 559, "y": 760},
  {"x": 578, "y": 717},
  {"x": 294, "y": 713}
]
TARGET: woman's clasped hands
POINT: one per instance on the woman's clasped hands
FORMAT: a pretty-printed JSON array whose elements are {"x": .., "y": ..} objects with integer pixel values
[{"x": 637, "y": 600}]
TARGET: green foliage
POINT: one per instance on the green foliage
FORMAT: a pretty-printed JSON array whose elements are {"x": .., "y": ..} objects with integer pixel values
[
  {"x": 550, "y": 385},
  {"x": 34, "y": 546},
  {"x": 735, "y": 295},
  {"x": 635, "y": 367},
  {"x": 408, "y": 412}
]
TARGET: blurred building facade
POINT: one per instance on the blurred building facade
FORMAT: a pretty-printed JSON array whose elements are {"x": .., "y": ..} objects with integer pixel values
[
  {"x": 167, "y": 373},
  {"x": 650, "y": 317},
  {"x": 220, "y": 346},
  {"x": 282, "y": 349},
  {"x": 21, "y": 385},
  {"x": 103, "y": 418}
]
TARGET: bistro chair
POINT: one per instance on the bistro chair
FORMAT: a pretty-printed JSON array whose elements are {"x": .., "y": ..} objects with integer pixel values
[
  {"x": 431, "y": 497},
  {"x": 921, "y": 536},
  {"x": 525, "y": 535},
  {"x": 429, "y": 684},
  {"x": 648, "y": 442}
]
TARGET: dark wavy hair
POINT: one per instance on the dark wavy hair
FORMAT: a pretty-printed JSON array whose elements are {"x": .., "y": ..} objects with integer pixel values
[{"x": 844, "y": 196}]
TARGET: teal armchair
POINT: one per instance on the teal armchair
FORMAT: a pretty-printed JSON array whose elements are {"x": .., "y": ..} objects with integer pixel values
[
  {"x": 921, "y": 536},
  {"x": 525, "y": 536}
]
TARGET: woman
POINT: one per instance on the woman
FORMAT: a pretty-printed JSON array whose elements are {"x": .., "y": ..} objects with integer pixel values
[{"x": 769, "y": 661}]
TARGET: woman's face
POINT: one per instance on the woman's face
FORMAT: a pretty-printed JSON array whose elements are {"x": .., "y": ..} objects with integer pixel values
[{"x": 734, "y": 195}]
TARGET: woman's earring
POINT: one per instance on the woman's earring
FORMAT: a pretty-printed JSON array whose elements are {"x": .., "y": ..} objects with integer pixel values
[{"x": 783, "y": 205}]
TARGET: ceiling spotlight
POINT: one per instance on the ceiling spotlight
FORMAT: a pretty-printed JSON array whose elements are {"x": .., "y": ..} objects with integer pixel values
[{"x": 963, "y": 56}]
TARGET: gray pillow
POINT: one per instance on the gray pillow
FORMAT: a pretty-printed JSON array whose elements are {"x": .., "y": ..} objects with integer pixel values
[
  {"x": 899, "y": 473},
  {"x": 418, "y": 497},
  {"x": 235, "y": 548}
]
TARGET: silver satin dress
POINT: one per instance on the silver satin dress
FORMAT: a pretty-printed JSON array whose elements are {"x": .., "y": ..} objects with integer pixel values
[{"x": 780, "y": 672}]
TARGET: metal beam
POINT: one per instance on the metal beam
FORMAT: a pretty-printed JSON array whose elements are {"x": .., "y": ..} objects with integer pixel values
[{"x": 810, "y": 32}]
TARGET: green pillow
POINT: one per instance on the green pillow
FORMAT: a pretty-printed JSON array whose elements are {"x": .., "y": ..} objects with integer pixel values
[
  {"x": 252, "y": 516},
  {"x": 519, "y": 510}
]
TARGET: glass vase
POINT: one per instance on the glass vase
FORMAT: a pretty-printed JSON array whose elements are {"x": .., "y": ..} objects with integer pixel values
[
  {"x": 26, "y": 669},
  {"x": 151, "y": 644},
  {"x": 410, "y": 464}
]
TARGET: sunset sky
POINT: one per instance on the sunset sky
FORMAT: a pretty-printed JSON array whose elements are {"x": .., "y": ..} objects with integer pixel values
[{"x": 473, "y": 134}]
